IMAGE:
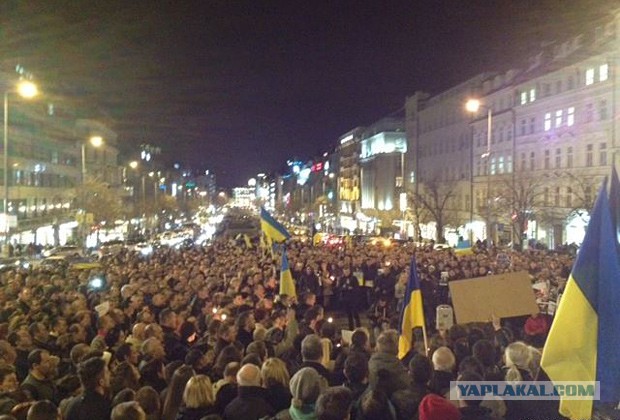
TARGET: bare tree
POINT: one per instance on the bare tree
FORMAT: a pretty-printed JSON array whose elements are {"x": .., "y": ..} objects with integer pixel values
[
  {"x": 96, "y": 197},
  {"x": 583, "y": 190},
  {"x": 418, "y": 213},
  {"x": 434, "y": 197}
]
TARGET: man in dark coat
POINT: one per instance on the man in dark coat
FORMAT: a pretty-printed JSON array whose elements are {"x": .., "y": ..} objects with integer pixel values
[
  {"x": 385, "y": 364},
  {"x": 92, "y": 404},
  {"x": 348, "y": 287},
  {"x": 175, "y": 349},
  {"x": 251, "y": 402}
]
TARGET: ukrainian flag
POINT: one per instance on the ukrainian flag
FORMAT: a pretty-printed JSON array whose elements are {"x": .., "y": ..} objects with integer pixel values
[
  {"x": 584, "y": 340},
  {"x": 272, "y": 228},
  {"x": 287, "y": 284},
  {"x": 412, "y": 314}
]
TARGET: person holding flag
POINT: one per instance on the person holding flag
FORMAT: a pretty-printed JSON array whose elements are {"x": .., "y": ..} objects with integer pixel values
[
  {"x": 287, "y": 284},
  {"x": 412, "y": 315},
  {"x": 272, "y": 228},
  {"x": 585, "y": 335}
]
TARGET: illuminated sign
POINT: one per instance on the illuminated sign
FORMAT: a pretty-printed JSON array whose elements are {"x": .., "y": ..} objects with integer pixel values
[
  {"x": 383, "y": 143},
  {"x": 317, "y": 167},
  {"x": 346, "y": 139},
  {"x": 303, "y": 175}
]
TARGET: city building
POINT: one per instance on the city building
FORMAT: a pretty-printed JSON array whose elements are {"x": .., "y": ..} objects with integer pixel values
[
  {"x": 524, "y": 166},
  {"x": 244, "y": 196},
  {"x": 382, "y": 156},
  {"x": 349, "y": 197}
]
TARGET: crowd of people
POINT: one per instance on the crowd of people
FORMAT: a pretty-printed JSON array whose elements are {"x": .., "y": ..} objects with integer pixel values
[{"x": 202, "y": 333}]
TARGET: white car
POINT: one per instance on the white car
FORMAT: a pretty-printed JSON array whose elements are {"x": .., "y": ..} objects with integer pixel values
[
  {"x": 143, "y": 248},
  {"x": 111, "y": 248},
  {"x": 64, "y": 251}
]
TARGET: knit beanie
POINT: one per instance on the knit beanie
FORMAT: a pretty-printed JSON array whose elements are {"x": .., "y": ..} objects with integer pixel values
[
  {"x": 306, "y": 386},
  {"x": 434, "y": 407}
]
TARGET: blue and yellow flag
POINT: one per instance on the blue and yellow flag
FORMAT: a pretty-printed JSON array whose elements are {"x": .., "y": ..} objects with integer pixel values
[
  {"x": 287, "y": 284},
  {"x": 584, "y": 340},
  {"x": 272, "y": 228},
  {"x": 412, "y": 314}
]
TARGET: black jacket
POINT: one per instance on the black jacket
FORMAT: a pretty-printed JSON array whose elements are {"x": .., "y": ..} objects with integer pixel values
[
  {"x": 224, "y": 396},
  {"x": 476, "y": 413},
  {"x": 279, "y": 397},
  {"x": 175, "y": 350},
  {"x": 329, "y": 377},
  {"x": 195, "y": 413},
  {"x": 440, "y": 382},
  {"x": 89, "y": 406},
  {"x": 250, "y": 404}
]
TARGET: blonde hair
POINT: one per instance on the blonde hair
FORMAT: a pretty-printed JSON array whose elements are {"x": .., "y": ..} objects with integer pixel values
[
  {"x": 274, "y": 372},
  {"x": 198, "y": 392},
  {"x": 534, "y": 363},
  {"x": 517, "y": 356}
]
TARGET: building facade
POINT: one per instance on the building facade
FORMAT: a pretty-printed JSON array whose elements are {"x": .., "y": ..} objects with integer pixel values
[
  {"x": 539, "y": 146},
  {"x": 349, "y": 183}
]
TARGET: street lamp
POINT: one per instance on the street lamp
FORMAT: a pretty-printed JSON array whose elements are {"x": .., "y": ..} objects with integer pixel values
[
  {"x": 473, "y": 105},
  {"x": 95, "y": 141},
  {"x": 25, "y": 89}
]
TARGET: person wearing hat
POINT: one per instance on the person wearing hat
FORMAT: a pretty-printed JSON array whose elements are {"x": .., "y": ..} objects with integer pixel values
[
  {"x": 305, "y": 386},
  {"x": 434, "y": 407}
]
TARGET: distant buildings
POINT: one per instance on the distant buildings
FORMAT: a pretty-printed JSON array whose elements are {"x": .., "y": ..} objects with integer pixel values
[{"x": 439, "y": 173}]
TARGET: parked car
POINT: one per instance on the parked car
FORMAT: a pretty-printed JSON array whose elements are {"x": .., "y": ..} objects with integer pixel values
[
  {"x": 111, "y": 248},
  {"x": 7, "y": 264},
  {"x": 141, "y": 247},
  {"x": 54, "y": 263},
  {"x": 64, "y": 251}
]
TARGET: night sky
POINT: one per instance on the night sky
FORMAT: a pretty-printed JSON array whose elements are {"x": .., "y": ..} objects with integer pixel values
[{"x": 240, "y": 86}]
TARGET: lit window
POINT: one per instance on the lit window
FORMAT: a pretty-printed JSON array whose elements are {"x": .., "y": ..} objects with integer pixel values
[
  {"x": 523, "y": 98},
  {"x": 492, "y": 166},
  {"x": 500, "y": 165},
  {"x": 570, "y": 117},
  {"x": 532, "y": 95},
  {"x": 547, "y": 121},
  {"x": 558, "y": 118},
  {"x": 589, "y": 77},
  {"x": 603, "y": 72}
]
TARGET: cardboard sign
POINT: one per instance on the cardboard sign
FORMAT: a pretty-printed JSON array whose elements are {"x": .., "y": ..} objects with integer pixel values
[{"x": 502, "y": 295}]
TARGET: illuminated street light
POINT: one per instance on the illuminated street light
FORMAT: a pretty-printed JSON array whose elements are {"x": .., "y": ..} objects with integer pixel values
[
  {"x": 95, "y": 141},
  {"x": 133, "y": 164},
  {"x": 25, "y": 89},
  {"x": 473, "y": 105}
]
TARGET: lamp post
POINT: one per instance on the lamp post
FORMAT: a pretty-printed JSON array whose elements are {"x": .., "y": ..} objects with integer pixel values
[
  {"x": 473, "y": 105},
  {"x": 25, "y": 89},
  {"x": 95, "y": 141}
]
